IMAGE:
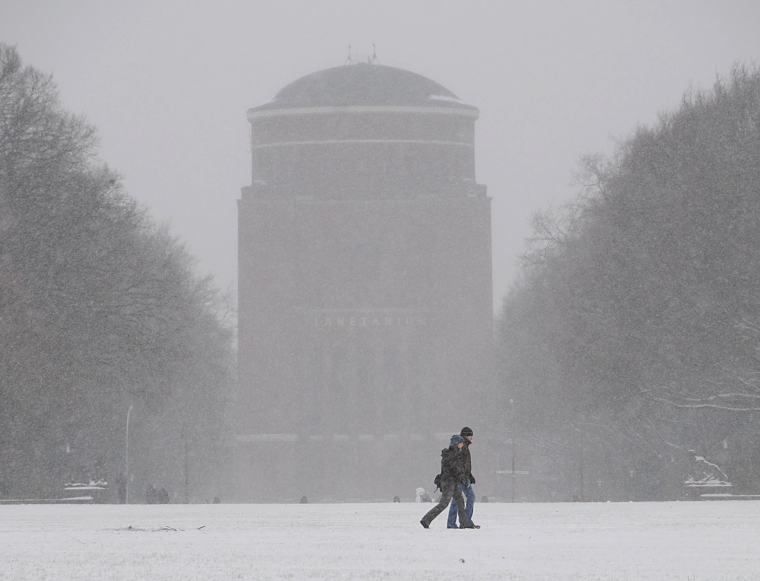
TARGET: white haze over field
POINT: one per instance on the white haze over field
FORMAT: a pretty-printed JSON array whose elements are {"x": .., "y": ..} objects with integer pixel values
[
  {"x": 695, "y": 541},
  {"x": 167, "y": 85}
]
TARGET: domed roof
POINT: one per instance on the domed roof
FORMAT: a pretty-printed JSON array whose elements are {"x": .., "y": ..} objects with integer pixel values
[{"x": 363, "y": 84}]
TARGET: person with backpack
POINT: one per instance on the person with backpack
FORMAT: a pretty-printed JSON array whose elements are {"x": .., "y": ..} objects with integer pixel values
[
  {"x": 453, "y": 472},
  {"x": 467, "y": 489}
]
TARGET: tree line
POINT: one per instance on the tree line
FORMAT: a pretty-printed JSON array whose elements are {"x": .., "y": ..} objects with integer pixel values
[
  {"x": 632, "y": 340},
  {"x": 100, "y": 310}
]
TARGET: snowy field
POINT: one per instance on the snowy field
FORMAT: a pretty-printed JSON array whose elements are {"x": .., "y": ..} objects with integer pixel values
[{"x": 621, "y": 541}]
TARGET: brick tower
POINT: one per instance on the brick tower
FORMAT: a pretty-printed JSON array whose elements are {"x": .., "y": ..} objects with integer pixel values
[{"x": 365, "y": 301}]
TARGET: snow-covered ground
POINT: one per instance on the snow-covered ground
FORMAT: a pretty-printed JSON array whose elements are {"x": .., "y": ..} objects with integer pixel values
[{"x": 620, "y": 541}]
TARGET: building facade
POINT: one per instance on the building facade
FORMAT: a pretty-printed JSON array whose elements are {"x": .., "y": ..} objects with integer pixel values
[{"x": 365, "y": 294}]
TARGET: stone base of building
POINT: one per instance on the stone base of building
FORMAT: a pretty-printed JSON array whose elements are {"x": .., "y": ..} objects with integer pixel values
[{"x": 335, "y": 467}]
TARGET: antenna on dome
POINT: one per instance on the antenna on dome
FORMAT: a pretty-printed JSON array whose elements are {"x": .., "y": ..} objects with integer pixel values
[
  {"x": 373, "y": 59},
  {"x": 349, "y": 60}
]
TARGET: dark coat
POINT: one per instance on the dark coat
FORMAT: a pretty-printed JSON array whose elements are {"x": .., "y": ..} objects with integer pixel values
[
  {"x": 453, "y": 466},
  {"x": 468, "y": 462}
]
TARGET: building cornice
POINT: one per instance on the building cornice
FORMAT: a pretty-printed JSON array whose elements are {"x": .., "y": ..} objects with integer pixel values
[{"x": 254, "y": 115}]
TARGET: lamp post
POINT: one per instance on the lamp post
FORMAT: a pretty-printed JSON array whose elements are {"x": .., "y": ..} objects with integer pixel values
[
  {"x": 514, "y": 446},
  {"x": 126, "y": 459},
  {"x": 187, "y": 481},
  {"x": 580, "y": 464}
]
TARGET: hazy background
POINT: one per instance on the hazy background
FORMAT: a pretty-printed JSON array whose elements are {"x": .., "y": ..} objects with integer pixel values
[{"x": 168, "y": 83}]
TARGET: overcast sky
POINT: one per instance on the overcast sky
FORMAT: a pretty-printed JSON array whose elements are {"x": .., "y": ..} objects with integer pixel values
[{"x": 168, "y": 83}]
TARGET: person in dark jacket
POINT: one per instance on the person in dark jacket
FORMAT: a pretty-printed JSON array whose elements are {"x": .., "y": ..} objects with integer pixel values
[
  {"x": 468, "y": 490},
  {"x": 452, "y": 473}
]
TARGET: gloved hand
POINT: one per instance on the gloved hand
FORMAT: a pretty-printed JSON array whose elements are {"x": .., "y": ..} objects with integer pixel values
[{"x": 472, "y": 479}]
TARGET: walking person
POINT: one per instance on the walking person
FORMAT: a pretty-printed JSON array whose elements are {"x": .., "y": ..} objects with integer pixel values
[
  {"x": 151, "y": 494},
  {"x": 452, "y": 473},
  {"x": 466, "y": 488}
]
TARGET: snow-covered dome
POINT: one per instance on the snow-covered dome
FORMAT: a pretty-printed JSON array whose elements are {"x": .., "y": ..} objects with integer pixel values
[
  {"x": 363, "y": 130},
  {"x": 364, "y": 84}
]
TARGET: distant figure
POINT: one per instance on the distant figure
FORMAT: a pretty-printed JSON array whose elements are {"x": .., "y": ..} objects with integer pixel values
[
  {"x": 396, "y": 499},
  {"x": 467, "y": 487},
  {"x": 422, "y": 495},
  {"x": 151, "y": 495},
  {"x": 304, "y": 500},
  {"x": 162, "y": 496},
  {"x": 99, "y": 470},
  {"x": 452, "y": 473},
  {"x": 80, "y": 474},
  {"x": 216, "y": 500}
]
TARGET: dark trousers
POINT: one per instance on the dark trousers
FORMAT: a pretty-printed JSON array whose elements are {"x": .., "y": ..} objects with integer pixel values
[{"x": 448, "y": 489}]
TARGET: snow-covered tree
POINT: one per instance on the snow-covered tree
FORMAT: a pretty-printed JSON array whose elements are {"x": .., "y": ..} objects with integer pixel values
[
  {"x": 641, "y": 305},
  {"x": 100, "y": 309}
]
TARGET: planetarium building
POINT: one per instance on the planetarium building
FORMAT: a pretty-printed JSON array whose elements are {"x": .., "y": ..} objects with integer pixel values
[{"x": 365, "y": 307}]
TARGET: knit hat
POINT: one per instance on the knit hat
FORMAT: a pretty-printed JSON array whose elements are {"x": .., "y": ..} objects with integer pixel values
[
  {"x": 456, "y": 439},
  {"x": 466, "y": 432}
]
